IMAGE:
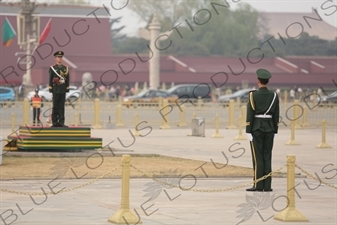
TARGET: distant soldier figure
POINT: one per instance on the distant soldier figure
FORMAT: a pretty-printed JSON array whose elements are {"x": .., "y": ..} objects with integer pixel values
[
  {"x": 58, "y": 86},
  {"x": 261, "y": 127},
  {"x": 36, "y": 102}
]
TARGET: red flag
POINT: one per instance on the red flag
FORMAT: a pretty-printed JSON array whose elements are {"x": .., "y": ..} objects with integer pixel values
[{"x": 45, "y": 32}]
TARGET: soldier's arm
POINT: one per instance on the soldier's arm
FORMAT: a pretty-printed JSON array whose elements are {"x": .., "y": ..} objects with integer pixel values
[
  {"x": 50, "y": 80},
  {"x": 250, "y": 113},
  {"x": 276, "y": 115},
  {"x": 67, "y": 80}
]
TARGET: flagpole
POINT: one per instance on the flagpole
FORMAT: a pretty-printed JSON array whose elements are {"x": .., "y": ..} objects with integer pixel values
[{"x": 43, "y": 32}]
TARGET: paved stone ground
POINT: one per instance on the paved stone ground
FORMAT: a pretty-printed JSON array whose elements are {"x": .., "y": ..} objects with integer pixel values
[{"x": 95, "y": 203}]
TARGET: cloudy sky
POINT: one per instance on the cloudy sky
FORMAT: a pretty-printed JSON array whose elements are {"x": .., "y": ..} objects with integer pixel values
[{"x": 326, "y": 8}]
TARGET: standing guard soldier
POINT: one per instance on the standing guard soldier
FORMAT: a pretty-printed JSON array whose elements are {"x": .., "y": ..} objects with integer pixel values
[
  {"x": 261, "y": 127},
  {"x": 37, "y": 105},
  {"x": 58, "y": 86}
]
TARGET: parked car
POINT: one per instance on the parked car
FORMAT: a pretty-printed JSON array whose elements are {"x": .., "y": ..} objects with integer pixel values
[
  {"x": 73, "y": 94},
  {"x": 330, "y": 99},
  {"x": 191, "y": 91},
  {"x": 149, "y": 96},
  {"x": 7, "y": 96},
  {"x": 242, "y": 94}
]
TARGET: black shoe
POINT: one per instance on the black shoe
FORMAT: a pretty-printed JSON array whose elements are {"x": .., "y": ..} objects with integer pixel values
[
  {"x": 253, "y": 189},
  {"x": 63, "y": 125},
  {"x": 268, "y": 190},
  {"x": 55, "y": 125}
]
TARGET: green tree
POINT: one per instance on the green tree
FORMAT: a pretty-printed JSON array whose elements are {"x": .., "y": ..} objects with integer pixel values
[{"x": 169, "y": 12}]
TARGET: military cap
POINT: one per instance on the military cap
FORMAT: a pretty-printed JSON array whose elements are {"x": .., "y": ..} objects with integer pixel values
[
  {"x": 263, "y": 74},
  {"x": 36, "y": 90},
  {"x": 59, "y": 53}
]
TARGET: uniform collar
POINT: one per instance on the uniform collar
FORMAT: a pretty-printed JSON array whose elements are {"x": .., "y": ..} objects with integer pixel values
[{"x": 263, "y": 88}]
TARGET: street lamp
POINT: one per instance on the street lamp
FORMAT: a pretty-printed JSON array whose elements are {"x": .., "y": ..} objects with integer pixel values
[{"x": 28, "y": 35}]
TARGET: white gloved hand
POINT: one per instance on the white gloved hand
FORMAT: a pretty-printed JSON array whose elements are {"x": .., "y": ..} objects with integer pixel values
[
  {"x": 250, "y": 136},
  {"x": 275, "y": 135}
]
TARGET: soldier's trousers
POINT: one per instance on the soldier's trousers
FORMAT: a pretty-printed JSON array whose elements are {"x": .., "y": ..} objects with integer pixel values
[
  {"x": 58, "y": 109},
  {"x": 261, "y": 147}
]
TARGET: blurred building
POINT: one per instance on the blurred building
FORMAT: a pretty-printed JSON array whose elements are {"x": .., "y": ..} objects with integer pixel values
[{"x": 86, "y": 41}]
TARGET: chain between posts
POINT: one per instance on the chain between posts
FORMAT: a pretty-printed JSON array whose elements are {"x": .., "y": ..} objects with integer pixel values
[
  {"x": 63, "y": 190},
  {"x": 209, "y": 190},
  {"x": 317, "y": 179}
]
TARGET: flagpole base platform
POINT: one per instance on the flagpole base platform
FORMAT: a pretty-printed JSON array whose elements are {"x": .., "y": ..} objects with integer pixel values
[{"x": 31, "y": 138}]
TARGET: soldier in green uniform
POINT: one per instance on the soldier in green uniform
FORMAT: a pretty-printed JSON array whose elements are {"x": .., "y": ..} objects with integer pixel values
[
  {"x": 58, "y": 86},
  {"x": 261, "y": 127}
]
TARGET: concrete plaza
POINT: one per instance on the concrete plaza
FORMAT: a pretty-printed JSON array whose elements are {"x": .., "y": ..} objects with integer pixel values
[{"x": 95, "y": 203}]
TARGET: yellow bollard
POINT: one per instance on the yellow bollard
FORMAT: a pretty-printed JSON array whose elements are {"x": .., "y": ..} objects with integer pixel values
[
  {"x": 76, "y": 120},
  {"x": 305, "y": 122},
  {"x": 290, "y": 213},
  {"x": 26, "y": 111},
  {"x": 124, "y": 215},
  {"x": 323, "y": 144},
  {"x": 231, "y": 112},
  {"x": 297, "y": 115},
  {"x": 292, "y": 140},
  {"x": 182, "y": 122},
  {"x": 217, "y": 134},
  {"x": 13, "y": 121},
  {"x": 97, "y": 113},
  {"x": 165, "y": 109},
  {"x": 240, "y": 136},
  {"x": 136, "y": 133},
  {"x": 119, "y": 122}
]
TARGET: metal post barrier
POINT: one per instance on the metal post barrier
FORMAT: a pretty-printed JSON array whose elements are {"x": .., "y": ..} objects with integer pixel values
[
  {"x": 314, "y": 100},
  {"x": 136, "y": 133},
  {"x": 297, "y": 115},
  {"x": 119, "y": 122},
  {"x": 25, "y": 111},
  {"x": 13, "y": 121},
  {"x": 231, "y": 113},
  {"x": 323, "y": 144},
  {"x": 165, "y": 109},
  {"x": 182, "y": 112},
  {"x": 292, "y": 140},
  {"x": 240, "y": 136},
  {"x": 124, "y": 215},
  {"x": 305, "y": 122},
  {"x": 285, "y": 97},
  {"x": 199, "y": 102},
  {"x": 194, "y": 116},
  {"x": 290, "y": 213},
  {"x": 76, "y": 120},
  {"x": 244, "y": 113},
  {"x": 97, "y": 112},
  {"x": 1, "y": 144},
  {"x": 217, "y": 134}
]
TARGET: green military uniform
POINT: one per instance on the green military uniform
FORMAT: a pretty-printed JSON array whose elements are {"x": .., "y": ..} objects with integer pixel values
[
  {"x": 58, "y": 86},
  {"x": 262, "y": 124}
]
